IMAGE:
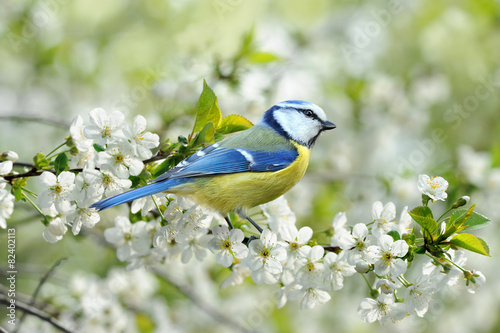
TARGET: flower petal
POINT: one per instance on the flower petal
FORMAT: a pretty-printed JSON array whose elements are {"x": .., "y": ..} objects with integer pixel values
[{"x": 47, "y": 179}]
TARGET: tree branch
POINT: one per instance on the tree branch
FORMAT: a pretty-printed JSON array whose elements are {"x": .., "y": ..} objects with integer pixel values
[
  {"x": 34, "y": 171},
  {"x": 37, "y": 290},
  {"x": 37, "y": 313},
  {"x": 187, "y": 291}
]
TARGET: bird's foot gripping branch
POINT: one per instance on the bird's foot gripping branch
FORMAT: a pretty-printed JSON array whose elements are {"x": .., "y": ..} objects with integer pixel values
[{"x": 107, "y": 156}]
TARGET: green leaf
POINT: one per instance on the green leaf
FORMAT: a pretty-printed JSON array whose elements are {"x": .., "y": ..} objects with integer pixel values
[
  {"x": 423, "y": 216},
  {"x": 475, "y": 221},
  {"x": 162, "y": 168},
  {"x": 17, "y": 188},
  {"x": 262, "y": 57},
  {"x": 460, "y": 216},
  {"x": 98, "y": 148},
  {"x": 61, "y": 163},
  {"x": 394, "y": 234},
  {"x": 471, "y": 243},
  {"x": 135, "y": 181},
  {"x": 166, "y": 165},
  {"x": 419, "y": 250},
  {"x": 40, "y": 161},
  {"x": 456, "y": 222},
  {"x": 206, "y": 135},
  {"x": 233, "y": 123},
  {"x": 208, "y": 109}
]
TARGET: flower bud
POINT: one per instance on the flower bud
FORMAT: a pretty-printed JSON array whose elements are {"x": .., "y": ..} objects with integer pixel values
[
  {"x": 9, "y": 156},
  {"x": 362, "y": 267},
  {"x": 462, "y": 201},
  {"x": 57, "y": 227}
]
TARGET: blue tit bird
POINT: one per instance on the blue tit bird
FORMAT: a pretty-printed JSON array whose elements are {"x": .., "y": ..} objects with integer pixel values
[{"x": 246, "y": 169}]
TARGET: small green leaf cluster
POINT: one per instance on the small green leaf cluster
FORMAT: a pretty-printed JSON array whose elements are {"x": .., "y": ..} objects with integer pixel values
[
  {"x": 209, "y": 127},
  {"x": 451, "y": 231}
]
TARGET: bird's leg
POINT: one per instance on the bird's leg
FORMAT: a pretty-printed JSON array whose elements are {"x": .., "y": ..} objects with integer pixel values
[
  {"x": 254, "y": 224},
  {"x": 229, "y": 222}
]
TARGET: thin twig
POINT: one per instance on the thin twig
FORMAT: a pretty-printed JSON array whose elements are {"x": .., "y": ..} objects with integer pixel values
[
  {"x": 335, "y": 249},
  {"x": 37, "y": 290},
  {"x": 25, "y": 298},
  {"x": 36, "y": 119},
  {"x": 37, "y": 313}
]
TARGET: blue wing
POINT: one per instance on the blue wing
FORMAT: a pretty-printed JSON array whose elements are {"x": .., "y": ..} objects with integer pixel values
[
  {"x": 210, "y": 161},
  {"x": 215, "y": 160}
]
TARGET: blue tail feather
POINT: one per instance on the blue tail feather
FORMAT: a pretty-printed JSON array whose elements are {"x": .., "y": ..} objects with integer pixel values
[{"x": 137, "y": 193}]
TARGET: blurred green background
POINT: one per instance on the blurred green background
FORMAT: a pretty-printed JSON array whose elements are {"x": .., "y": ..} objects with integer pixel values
[{"x": 413, "y": 87}]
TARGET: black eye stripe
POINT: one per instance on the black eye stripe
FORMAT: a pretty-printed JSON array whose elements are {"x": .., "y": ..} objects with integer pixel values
[{"x": 310, "y": 113}]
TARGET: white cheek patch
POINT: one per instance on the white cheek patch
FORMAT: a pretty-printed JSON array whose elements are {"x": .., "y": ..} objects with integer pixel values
[{"x": 299, "y": 127}]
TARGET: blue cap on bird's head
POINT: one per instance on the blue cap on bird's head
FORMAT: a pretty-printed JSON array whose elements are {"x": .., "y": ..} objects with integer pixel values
[{"x": 297, "y": 120}]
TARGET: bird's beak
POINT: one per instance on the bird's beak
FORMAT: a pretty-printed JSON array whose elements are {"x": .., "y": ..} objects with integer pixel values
[{"x": 328, "y": 125}]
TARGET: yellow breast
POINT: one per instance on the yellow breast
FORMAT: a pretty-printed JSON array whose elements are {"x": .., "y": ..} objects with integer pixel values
[{"x": 226, "y": 193}]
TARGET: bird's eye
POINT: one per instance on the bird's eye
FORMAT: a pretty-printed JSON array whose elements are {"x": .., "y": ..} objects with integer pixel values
[{"x": 308, "y": 113}]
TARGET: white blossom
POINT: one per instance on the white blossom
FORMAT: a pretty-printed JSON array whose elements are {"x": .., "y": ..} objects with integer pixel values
[
  {"x": 338, "y": 228},
  {"x": 449, "y": 277},
  {"x": 385, "y": 257},
  {"x": 337, "y": 268},
  {"x": 279, "y": 214},
  {"x": 227, "y": 243},
  {"x": 119, "y": 158},
  {"x": 196, "y": 245},
  {"x": 311, "y": 270},
  {"x": 405, "y": 224},
  {"x": 475, "y": 281},
  {"x": 76, "y": 131},
  {"x": 146, "y": 204},
  {"x": 419, "y": 295},
  {"x": 310, "y": 297},
  {"x": 6, "y": 207},
  {"x": 141, "y": 140},
  {"x": 55, "y": 231},
  {"x": 9, "y": 155},
  {"x": 238, "y": 273},
  {"x": 382, "y": 309},
  {"x": 103, "y": 127},
  {"x": 383, "y": 217},
  {"x": 108, "y": 183},
  {"x": 265, "y": 257},
  {"x": 88, "y": 189},
  {"x": 385, "y": 286},
  {"x": 84, "y": 158},
  {"x": 131, "y": 239},
  {"x": 294, "y": 240},
  {"x": 60, "y": 191},
  {"x": 6, "y": 167},
  {"x": 191, "y": 221},
  {"x": 434, "y": 187},
  {"x": 355, "y": 244},
  {"x": 82, "y": 216},
  {"x": 282, "y": 294}
]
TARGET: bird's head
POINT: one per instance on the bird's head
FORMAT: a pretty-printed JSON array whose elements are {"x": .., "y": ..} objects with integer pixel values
[{"x": 300, "y": 121}]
